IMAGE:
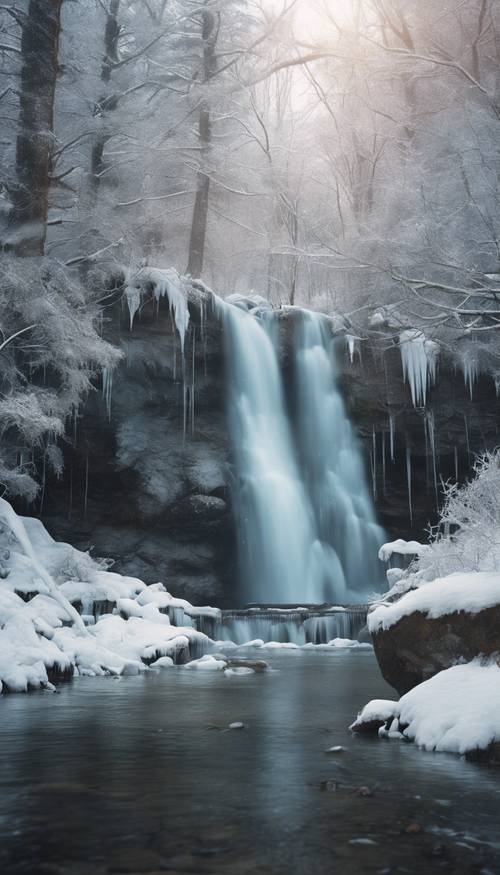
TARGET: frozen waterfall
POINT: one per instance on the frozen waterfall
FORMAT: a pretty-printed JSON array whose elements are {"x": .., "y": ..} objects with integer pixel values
[{"x": 305, "y": 522}]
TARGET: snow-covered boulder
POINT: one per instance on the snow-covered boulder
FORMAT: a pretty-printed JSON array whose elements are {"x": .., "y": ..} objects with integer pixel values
[
  {"x": 449, "y": 620},
  {"x": 458, "y": 711}
]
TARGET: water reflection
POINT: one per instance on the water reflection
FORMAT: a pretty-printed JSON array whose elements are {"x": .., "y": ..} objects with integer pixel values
[{"x": 137, "y": 775}]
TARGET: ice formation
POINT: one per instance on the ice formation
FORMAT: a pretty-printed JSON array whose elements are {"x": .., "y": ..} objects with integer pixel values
[
  {"x": 166, "y": 283},
  {"x": 470, "y": 368},
  {"x": 419, "y": 358}
]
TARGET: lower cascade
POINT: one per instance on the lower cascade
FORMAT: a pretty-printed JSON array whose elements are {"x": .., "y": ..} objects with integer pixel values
[
  {"x": 305, "y": 521},
  {"x": 299, "y": 626}
]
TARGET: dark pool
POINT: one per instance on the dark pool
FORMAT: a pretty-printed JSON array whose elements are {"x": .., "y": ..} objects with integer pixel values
[{"x": 136, "y": 776}]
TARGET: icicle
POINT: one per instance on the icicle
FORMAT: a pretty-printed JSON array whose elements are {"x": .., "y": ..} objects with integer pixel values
[
  {"x": 86, "y": 495},
  {"x": 383, "y": 464},
  {"x": 70, "y": 508},
  {"x": 192, "y": 381},
  {"x": 174, "y": 363},
  {"x": 107, "y": 389},
  {"x": 185, "y": 391},
  {"x": 419, "y": 359},
  {"x": 429, "y": 418},
  {"x": 426, "y": 438},
  {"x": 467, "y": 437},
  {"x": 133, "y": 297},
  {"x": 470, "y": 370},
  {"x": 408, "y": 479},
  {"x": 352, "y": 346},
  {"x": 456, "y": 464},
  {"x": 392, "y": 434},
  {"x": 168, "y": 284}
]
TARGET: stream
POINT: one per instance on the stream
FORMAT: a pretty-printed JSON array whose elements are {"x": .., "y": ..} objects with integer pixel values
[{"x": 142, "y": 775}]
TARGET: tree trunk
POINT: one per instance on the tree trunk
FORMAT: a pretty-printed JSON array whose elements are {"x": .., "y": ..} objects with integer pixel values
[
  {"x": 39, "y": 52},
  {"x": 210, "y": 32},
  {"x": 200, "y": 212},
  {"x": 106, "y": 102}
]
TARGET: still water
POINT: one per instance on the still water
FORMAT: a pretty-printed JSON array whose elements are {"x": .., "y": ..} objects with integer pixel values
[{"x": 139, "y": 775}]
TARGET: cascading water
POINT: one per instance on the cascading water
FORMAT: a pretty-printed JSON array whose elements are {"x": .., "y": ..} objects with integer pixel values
[
  {"x": 348, "y": 537},
  {"x": 274, "y": 519},
  {"x": 306, "y": 527}
]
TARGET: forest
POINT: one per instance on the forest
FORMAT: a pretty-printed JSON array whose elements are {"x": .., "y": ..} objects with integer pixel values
[{"x": 249, "y": 436}]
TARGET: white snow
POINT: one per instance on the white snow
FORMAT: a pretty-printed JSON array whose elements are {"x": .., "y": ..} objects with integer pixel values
[
  {"x": 402, "y": 548},
  {"x": 419, "y": 359},
  {"x": 47, "y": 632},
  {"x": 207, "y": 663},
  {"x": 166, "y": 284},
  {"x": 470, "y": 591},
  {"x": 457, "y": 710}
]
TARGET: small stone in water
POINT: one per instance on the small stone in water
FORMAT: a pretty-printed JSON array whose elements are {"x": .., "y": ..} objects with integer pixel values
[
  {"x": 329, "y": 785},
  {"x": 337, "y": 748},
  {"x": 363, "y": 791},
  {"x": 413, "y": 828},
  {"x": 236, "y": 725}
]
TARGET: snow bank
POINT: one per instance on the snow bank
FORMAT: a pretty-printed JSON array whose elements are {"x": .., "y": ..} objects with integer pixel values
[
  {"x": 42, "y": 633},
  {"x": 470, "y": 592},
  {"x": 457, "y": 710}
]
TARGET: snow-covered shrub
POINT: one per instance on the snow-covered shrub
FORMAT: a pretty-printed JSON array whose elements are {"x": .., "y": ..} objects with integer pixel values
[
  {"x": 50, "y": 350},
  {"x": 467, "y": 537}
]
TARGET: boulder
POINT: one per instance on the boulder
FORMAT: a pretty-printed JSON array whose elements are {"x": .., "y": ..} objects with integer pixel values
[{"x": 418, "y": 646}]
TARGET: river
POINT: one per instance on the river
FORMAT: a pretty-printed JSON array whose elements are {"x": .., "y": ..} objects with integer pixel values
[{"x": 142, "y": 775}]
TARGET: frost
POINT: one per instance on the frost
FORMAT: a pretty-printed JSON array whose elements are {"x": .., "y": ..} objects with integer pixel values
[{"x": 419, "y": 358}]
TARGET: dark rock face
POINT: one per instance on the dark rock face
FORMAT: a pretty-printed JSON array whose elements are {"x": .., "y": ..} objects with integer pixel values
[
  {"x": 459, "y": 427},
  {"x": 416, "y": 648},
  {"x": 149, "y": 486}
]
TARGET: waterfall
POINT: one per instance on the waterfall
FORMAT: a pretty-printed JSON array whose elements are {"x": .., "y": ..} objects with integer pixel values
[
  {"x": 286, "y": 626},
  {"x": 333, "y": 469},
  {"x": 305, "y": 523},
  {"x": 274, "y": 520}
]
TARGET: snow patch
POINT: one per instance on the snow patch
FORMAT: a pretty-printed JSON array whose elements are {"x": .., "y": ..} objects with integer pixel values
[
  {"x": 470, "y": 592},
  {"x": 457, "y": 710}
]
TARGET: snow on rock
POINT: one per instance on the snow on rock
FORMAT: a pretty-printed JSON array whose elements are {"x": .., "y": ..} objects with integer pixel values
[
  {"x": 163, "y": 662},
  {"x": 378, "y": 710},
  {"x": 207, "y": 663},
  {"x": 42, "y": 634},
  {"x": 338, "y": 644},
  {"x": 419, "y": 359},
  {"x": 401, "y": 548},
  {"x": 470, "y": 592},
  {"x": 165, "y": 284},
  {"x": 457, "y": 710}
]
